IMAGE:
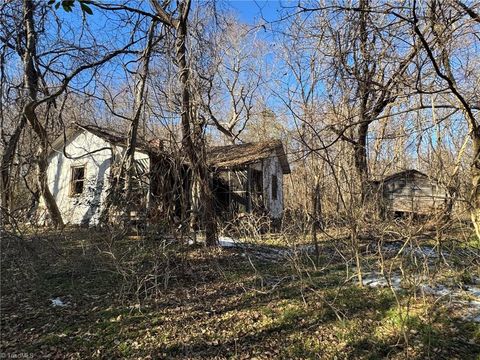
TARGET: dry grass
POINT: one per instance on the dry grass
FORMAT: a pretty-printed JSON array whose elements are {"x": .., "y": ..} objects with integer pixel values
[{"x": 140, "y": 299}]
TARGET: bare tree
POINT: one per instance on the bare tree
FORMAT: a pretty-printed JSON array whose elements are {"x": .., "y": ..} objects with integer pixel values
[
  {"x": 367, "y": 67},
  {"x": 191, "y": 134},
  {"x": 46, "y": 77},
  {"x": 31, "y": 84},
  {"x": 127, "y": 165},
  {"x": 229, "y": 85},
  {"x": 437, "y": 24}
]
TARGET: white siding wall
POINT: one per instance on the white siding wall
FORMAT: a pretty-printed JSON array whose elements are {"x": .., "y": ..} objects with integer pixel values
[
  {"x": 82, "y": 209},
  {"x": 271, "y": 166}
]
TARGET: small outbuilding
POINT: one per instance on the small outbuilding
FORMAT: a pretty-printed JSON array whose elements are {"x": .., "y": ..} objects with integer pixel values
[{"x": 411, "y": 192}]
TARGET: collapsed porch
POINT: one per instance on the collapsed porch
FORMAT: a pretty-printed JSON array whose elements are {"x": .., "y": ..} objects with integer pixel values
[
  {"x": 239, "y": 190},
  {"x": 245, "y": 178}
]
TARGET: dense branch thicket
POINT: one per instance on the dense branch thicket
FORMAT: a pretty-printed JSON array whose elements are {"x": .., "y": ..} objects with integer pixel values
[{"x": 357, "y": 92}]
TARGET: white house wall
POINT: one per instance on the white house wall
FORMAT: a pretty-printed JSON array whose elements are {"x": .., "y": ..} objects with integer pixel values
[
  {"x": 271, "y": 166},
  {"x": 83, "y": 209},
  {"x": 139, "y": 156}
]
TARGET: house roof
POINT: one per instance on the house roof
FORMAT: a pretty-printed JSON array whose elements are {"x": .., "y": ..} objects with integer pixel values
[
  {"x": 218, "y": 156},
  {"x": 117, "y": 138},
  {"x": 247, "y": 153},
  {"x": 111, "y": 136}
]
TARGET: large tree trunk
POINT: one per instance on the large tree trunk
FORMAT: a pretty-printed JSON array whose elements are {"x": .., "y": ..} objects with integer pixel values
[
  {"x": 208, "y": 205},
  {"x": 361, "y": 158},
  {"x": 365, "y": 94},
  {"x": 194, "y": 147},
  {"x": 42, "y": 167},
  {"x": 31, "y": 79},
  {"x": 475, "y": 196},
  {"x": 132, "y": 135},
  {"x": 6, "y": 168}
]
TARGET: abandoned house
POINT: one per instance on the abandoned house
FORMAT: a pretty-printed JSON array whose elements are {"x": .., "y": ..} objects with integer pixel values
[
  {"x": 80, "y": 171},
  {"x": 246, "y": 177},
  {"x": 411, "y": 192}
]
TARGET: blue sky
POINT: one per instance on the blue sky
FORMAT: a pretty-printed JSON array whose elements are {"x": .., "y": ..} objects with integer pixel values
[{"x": 252, "y": 11}]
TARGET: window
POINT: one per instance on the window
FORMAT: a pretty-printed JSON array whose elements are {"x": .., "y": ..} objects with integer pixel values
[
  {"x": 78, "y": 180},
  {"x": 274, "y": 187}
]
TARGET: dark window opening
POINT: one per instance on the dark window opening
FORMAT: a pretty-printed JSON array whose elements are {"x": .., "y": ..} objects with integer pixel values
[
  {"x": 274, "y": 187},
  {"x": 78, "y": 180}
]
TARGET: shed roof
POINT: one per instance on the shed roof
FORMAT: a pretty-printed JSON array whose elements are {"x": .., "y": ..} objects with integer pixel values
[
  {"x": 407, "y": 174},
  {"x": 247, "y": 153},
  {"x": 410, "y": 174}
]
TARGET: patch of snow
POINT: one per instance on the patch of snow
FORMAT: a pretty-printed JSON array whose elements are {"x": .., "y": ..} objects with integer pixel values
[
  {"x": 379, "y": 280},
  {"x": 375, "y": 282},
  {"x": 225, "y": 241},
  {"x": 263, "y": 252},
  {"x": 58, "y": 302},
  {"x": 425, "y": 251},
  {"x": 475, "y": 304},
  {"x": 438, "y": 290},
  {"x": 307, "y": 248},
  {"x": 396, "y": 281},
  {"x": 474, "y": 290},
  {"x": 473, "y": 308}
]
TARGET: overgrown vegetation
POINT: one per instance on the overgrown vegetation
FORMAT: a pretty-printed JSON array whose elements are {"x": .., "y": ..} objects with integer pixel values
[
  {"x": 368, "y": 247},
  {"x": 155, "y": 297}
]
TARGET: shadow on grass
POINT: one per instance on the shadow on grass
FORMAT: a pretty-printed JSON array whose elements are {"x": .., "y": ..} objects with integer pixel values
[{"x": 217, "y": 305}]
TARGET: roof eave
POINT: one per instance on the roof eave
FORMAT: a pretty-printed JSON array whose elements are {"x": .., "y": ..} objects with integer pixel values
[{"x": 282, "y": 157}]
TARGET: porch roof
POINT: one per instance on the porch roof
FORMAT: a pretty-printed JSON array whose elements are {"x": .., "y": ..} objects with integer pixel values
[{"x": 247, "y": 153}]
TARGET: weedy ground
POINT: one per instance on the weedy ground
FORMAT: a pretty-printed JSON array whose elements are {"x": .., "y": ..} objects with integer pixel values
[{"x": 156, "y": 298}]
